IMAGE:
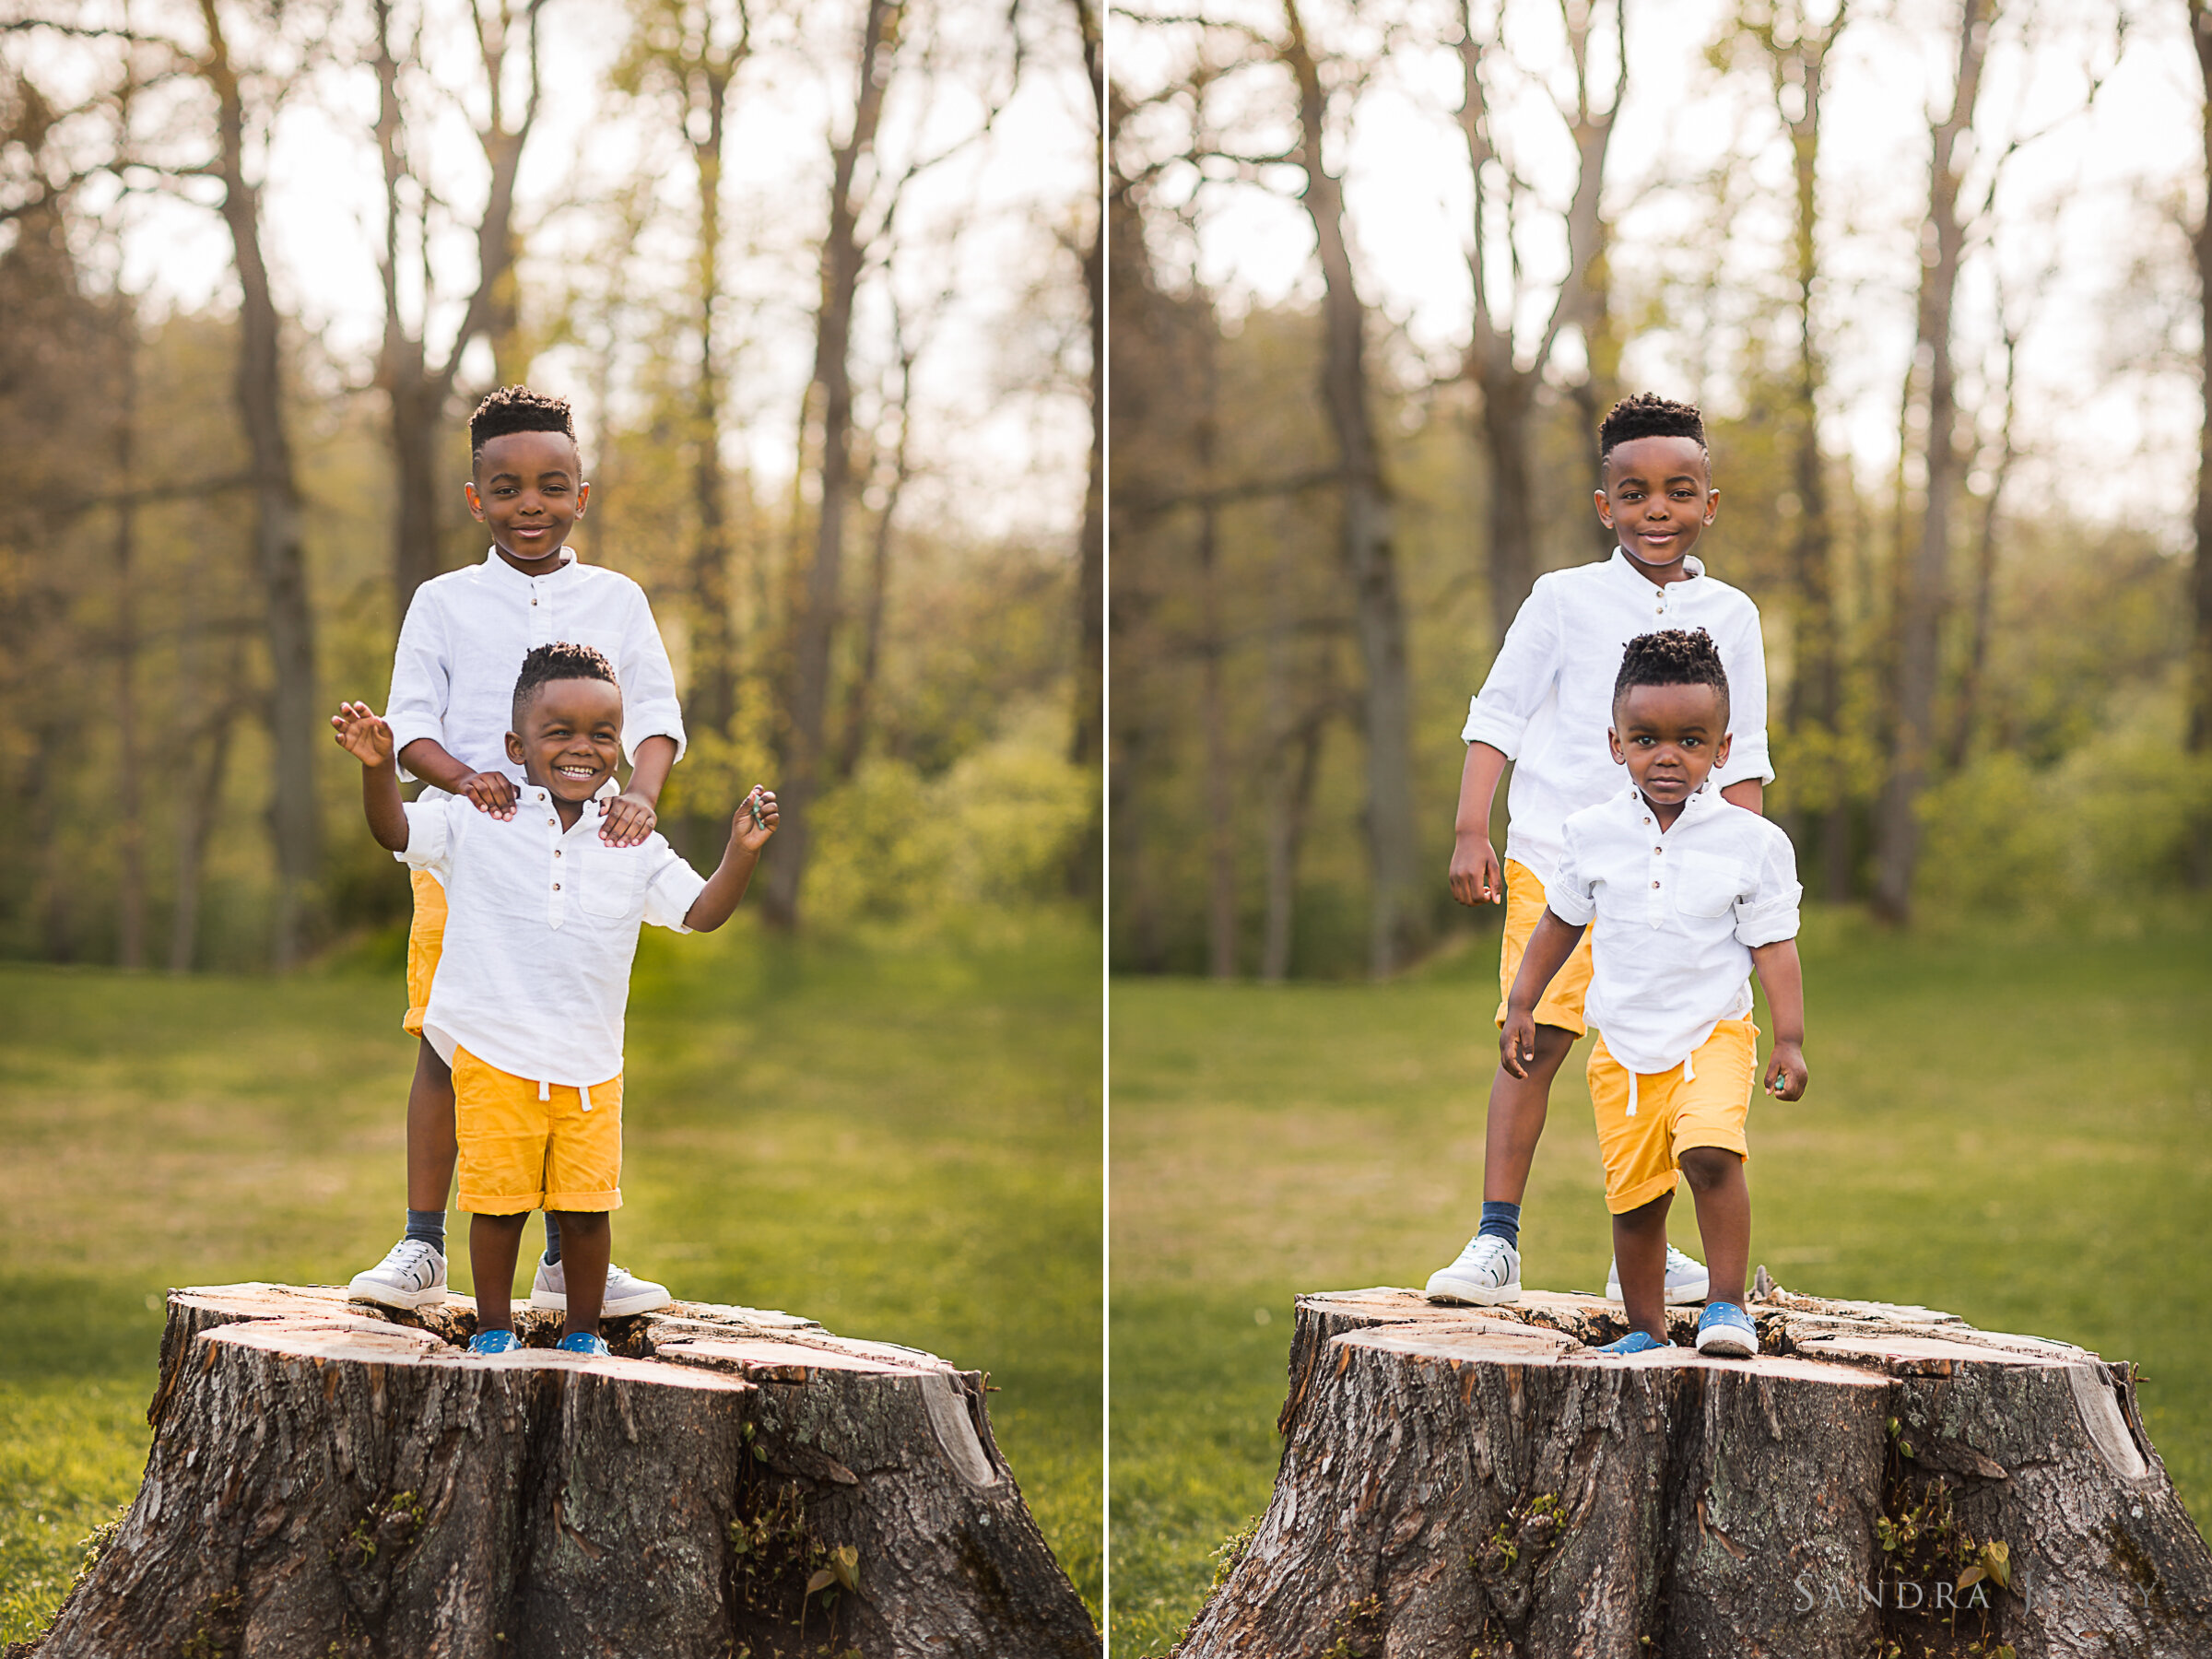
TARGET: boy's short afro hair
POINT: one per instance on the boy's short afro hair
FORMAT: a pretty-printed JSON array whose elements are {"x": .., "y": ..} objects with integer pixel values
[
  {"x": 557, "y": 661},
  {"x": 1673, "y": 656},
  {"x": 517, "y": 410},
  {"x": 1647, "y": 415}
]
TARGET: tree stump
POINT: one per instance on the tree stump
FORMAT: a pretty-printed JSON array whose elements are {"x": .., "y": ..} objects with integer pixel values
[
  {"x": 332, "y": 1479},
  {"x": 1460, "y": 1481}
]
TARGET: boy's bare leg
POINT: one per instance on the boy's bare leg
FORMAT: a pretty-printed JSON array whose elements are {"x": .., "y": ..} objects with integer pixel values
[
  {"x": 1639, "y": 1248},
  {"x": 493, "y": 1243},
  {"x": 1518, "y": 1106},
  {"x": 432, "y": 1148},
  {"x": 1716, "y": 1178},
  {"x": 586, "y": 1242}
]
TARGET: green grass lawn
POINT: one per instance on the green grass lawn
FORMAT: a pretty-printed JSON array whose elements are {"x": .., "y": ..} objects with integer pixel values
[
  {"x": 2018, "y": 1130},
  {"x": 901, "y": 1142}
]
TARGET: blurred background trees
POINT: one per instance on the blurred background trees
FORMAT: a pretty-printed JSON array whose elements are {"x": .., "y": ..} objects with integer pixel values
[
  {"x": 816, "y": 281},
  {"x": 1928, "y": 270}
]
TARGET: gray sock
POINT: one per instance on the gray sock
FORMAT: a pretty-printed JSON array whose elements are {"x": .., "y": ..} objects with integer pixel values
[
  {"x": 552, "y": 1239},
  {"x": 428, "y": 1226}
]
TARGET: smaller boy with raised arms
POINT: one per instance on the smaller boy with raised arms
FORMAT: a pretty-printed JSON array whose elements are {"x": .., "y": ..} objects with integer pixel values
[
  {"x": 1689, "y": 895},
  {"x": 533, "y": 978}
]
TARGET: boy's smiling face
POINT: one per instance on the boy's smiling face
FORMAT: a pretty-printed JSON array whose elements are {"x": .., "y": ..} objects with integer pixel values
[
  {"x": 572, "y": 738},
  {"x": 529, "y": 488},
  {"x": 1658, "y": 498},
  {"x": 1670, "y": 738}
]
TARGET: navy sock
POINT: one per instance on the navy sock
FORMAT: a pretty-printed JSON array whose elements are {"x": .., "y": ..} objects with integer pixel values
[
  {"x": 428, "y": 1226},
  {"x": 1500, "y": 1220},
  {"x": 552, "y": 1239}
]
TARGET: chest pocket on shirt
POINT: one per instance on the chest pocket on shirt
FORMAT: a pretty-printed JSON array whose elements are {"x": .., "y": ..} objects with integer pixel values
[
  {"x": 1708, "y": 886},
  {"x": 614, "y": 878}
]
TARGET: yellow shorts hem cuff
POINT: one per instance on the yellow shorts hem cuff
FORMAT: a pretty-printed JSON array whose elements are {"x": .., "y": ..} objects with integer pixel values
[
  {"x": 411, "y": 1022},
  {"x": 1642, "y": 1194},
  {"x": 1718, "y": 1140},
  {"x": 505, "y": 1204},
  {"x": 584, "y": 1203}
]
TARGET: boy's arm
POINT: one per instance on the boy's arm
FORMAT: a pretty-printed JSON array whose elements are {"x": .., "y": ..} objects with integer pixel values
[
  {"x": 1476, "y": 876},
  {"x": 1548, "y": 948},
  {"x": 486, "y": 790},
  {"x": 1779, "y": 973},
  {"x": 369, "y": 740},
  {"x": 750, "y": 827},
  {"x": 1747, "y": 792},
  {"x": 1751, "y": 761},
  {"x": 632, "y": 816}
]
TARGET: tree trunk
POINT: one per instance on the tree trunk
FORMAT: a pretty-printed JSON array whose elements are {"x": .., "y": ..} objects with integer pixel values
[
  {"x": 1922, "y": 576},
  {"x": 1086, "y": 739},
  {"x": 814, "y": 623},
  {"x": 280, "y": 561},
  {"x": 1464, "y": 1481},
  {"x": 1396, "y": 922},
  {"x": 2200, "y": 664},
  {"x": 130, "y": 888},
  {"x": 325, "y": 1480},
  {"x": 1285, "y": 837},
  {"x": 713, "y": 662}
]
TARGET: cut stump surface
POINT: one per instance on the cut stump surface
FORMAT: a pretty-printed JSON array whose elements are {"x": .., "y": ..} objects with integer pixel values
[
  {"x": 1463, "y": 1481},
  {"x": 335, "y": 1480}
]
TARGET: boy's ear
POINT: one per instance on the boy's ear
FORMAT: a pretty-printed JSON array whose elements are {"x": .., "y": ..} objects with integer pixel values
[
  {"x": 1712, "y": 504},
  {"x": 475, "y": 502},
  {"x": 1605, "y": 509},
  {"x": 1620, "y": 756},
  {"x": 1720, "y": 750},
  {"x": 514, "y": 748},
  {"x": 584, "y": 496}
]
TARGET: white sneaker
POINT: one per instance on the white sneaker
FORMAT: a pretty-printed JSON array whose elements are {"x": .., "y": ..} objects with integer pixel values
[
  {"x": 412, "y": 1276},
  {"x": 1687, "y": 1280},
  {"x": 625, "y": 1293},
  {"x": 1487, "y": 1271}
]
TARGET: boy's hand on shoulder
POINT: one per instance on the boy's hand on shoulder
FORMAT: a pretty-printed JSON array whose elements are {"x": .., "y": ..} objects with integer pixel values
[
  {"x": 361, "y": 731},
  {"x": 628, "y": 820},
  {"x": 490, "y": 791},
  {"x": 1476, "y": 876},
  {"x": 754, "y": 819},
  {"x": 1517, "y": 1041},
  {"x": 1786, "y": 1076}
]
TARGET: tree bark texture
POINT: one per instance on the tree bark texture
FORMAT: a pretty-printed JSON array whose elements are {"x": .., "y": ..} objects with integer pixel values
[
  {"x": 1460, "y": 1481},
  {"x": 327, "y": 1480},
  {"x": 1395, "y": 921}
]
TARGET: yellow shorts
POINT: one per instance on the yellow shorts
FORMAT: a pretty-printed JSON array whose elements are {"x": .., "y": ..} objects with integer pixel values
[
  {"x": 519, "y": 1152},
  {"x": 1561, "y": 1003},
  {"x": 1642, "y": 1150},
  {"x": 426, "y": 943}
]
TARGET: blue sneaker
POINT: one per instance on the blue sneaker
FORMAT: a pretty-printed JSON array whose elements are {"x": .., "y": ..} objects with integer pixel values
[
  {"x": 1635, "y": 1342},
  {"x": 582, "y": 1342},
  {"x": 494, "y": 1342},
  {"x": 1727, "y": 1330}
]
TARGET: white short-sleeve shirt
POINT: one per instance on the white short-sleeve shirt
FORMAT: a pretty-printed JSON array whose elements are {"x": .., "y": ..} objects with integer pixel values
[
  {"x": 541, "y": 927},
  {"x": 1677, "y": 915},
  {"x": 1548, "y": 701},
  {"x": 467, "y": 631}
]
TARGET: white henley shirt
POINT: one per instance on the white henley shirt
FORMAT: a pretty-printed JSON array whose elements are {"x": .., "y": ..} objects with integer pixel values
[
  {"x": 1548, "y": 701},
  {"x": 467, "y": 631},
  {"x": 1677, "y": 913},
  {"x": 541, "y": 927}
]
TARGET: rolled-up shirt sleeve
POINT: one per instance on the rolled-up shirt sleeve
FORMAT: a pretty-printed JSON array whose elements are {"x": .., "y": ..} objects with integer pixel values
[
  {"x": 430, "y": 835},
  {"x": 1744, "y": 657},
  {"x": 1570, "y": 897},
  {"x": 1520, "y": 679},
  {"x": 422, "y": 687},
  {"x": 1768, "y": 914},
  {"x": 648, "y": 704},
  {"x": 671, "y": 892}
]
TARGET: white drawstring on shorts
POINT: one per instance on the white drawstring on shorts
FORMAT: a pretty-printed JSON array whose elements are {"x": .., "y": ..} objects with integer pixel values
[{"x": 1689, "y": 1075}]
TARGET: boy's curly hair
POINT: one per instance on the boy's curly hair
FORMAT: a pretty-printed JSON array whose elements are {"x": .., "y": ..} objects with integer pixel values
[
  {"x": 1647, "y": 415},
  {"x": 557, "y": 661},
  {"x": 517, "y": 410},
  {"x": 1673, "y": 656}
]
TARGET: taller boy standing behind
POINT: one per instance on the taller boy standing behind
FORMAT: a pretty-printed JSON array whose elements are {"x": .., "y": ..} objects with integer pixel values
[
  {"x": 453, "y": 686},
  {"x": 1547, "y": 707}
]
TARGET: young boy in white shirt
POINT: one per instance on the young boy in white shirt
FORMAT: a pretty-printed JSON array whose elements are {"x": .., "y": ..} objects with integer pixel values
[
  {"x": 1545, "y": 706},
  {"x": 1689, "y": 895},
  {"x": 543, "y": 913},
  {"x": 453, "y": 680}
]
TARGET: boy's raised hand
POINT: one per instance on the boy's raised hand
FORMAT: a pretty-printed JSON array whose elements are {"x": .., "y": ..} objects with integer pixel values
[
  {"x": 361, "y": 731},
  {"x": 1517, "y": 1041},
  {"x": 628, "y": 820},
  {"x": 1476, "y": 876},
  {"x": 754, "y": 819},
  {"x": 1786, "y": 1076}
]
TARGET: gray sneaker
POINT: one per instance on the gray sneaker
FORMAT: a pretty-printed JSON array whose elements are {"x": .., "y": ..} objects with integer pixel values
[
  {"x": 1687, "y": 1280},
  {"x": 1487, "y": 1271},
  {"x": 626, "y": 1294},
  {"x": 411, "y": 1276}
]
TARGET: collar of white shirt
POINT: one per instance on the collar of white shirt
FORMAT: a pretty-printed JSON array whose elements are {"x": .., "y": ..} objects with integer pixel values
[
  {"x": 492, "y": 559},
  {"x": 540, "y": 796},
  {"x": 1626, "y": 567}
]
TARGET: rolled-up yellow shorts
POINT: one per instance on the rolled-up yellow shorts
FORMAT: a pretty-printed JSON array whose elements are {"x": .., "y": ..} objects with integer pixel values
[
  {"x": 520, "y": 1152},
  {"x": 1674, "y": 1111},
  {"x": 1561, "y": 1003},
  {"x": 426, "y": 943}
]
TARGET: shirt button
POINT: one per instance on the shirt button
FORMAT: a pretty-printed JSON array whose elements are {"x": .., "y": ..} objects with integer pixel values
[
  {"x": 1655, "y": 884},
  {"x": 557, "y": 885},
  {"x": 1655, "y": 852},
  {"x": 556, "y": 851}
]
